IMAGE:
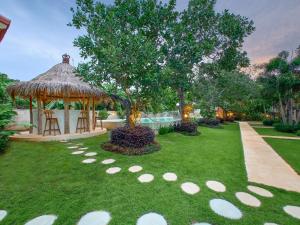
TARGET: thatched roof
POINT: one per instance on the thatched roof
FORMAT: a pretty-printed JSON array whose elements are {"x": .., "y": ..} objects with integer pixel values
[{"x": 61, "y": 81}]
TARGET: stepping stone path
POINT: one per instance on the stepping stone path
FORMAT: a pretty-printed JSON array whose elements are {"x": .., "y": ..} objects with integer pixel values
[
  {"x": 87, "y": 161},
  {"x": 84, "y": 148},
  {"x": 91, "y": 154},
  {"x": 77, "y": 152},
  {"x": 293, "y": 211},
  {"x": 216, "y": 186},
  {"x": 260, "y": 191},
  {"x": 108, "y": 161},
  {"x": 113, "y": 170},
  {"x": 247, "y": 199},
  {"x": 151, "y": 219},
  {"x": 170, "y": 177},
  {"x": 3, "y": 214},
  {"x": 95, "y": 218},
  {"x": 42, "y": 220},
  {"x": 190, "y": 188},
  {"x": 146, "y": 178},
  {"x": 225, "y": 209},
  {"x": 72, "y": 147},
  {"x": 135, "y": 169}
]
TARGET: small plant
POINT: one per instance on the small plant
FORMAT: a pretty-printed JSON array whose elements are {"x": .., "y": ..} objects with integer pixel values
[
  {"x": 187, "y": 128},
  {"x": 268, "y": 122},
  {"x": 103, "y": 114},
  {"x": 121, "y": 114},
  {"x": 165, "y": 130},
  {"x": 287, "y": 128},
  {"x": 209, "y": 122},
  {"x": 6, "y": 114},
  {"x": 298, "y": 133}
]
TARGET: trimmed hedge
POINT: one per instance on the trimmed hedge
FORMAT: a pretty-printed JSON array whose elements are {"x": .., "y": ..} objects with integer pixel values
[
  {"x": 208, "y": 122},
  {"x": 136, "y": 137},
  {"x": 286, "y": 127},
  {"x": 187, "y": 128},
  {"x": 269, "y": 122}
]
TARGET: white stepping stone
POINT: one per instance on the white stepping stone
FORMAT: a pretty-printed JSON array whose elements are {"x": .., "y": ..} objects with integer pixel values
[
  {"x": 216, "y": 186},
  {"x": 72, "y": 147},
  {"x": 63, "y": 141},
  {"x": 77, "y": 152},
  {"x": 146, "y": 178},
  {"x": 247, "y": 199},
  {"x": 190, "y": 188},
  {"x": 135, "y": 169},
  {"x": 151, "y": 219},
  {"x": 293, "y": 211},
  {"x": 95, "y": 218},
  {"x": 260, "y": 191},
  {"x": 42, "y": 220},
  {"x": 108, "y": 161},
  {"x": 90, "y": 154},
  {"x": 84, "y": 148},
  {"x": 3, "y": 214},
  {"x": 170, "y": 176},
  {"x": 271, "y": 224},
  {"x": 113, "y": 170},
  {"x": 201, "y": 224},
  {"x": 225, "y": 209},
  {"x": 87, "y": 161},
  {"x": 79, "y": 144}
]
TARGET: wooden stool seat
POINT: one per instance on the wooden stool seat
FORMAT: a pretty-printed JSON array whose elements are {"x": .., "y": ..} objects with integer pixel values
[
  {"x": 82, "y": 122},
  {"x": 52, "y": 123}
]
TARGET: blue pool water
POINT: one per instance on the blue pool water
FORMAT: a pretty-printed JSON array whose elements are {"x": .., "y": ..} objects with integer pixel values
[{"x": 158, "y": 120}]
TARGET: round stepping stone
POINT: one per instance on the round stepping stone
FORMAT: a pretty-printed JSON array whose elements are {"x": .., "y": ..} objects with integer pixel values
[
  {"x": 90, "y": 154},
  {"x": 225, "y": 209},
  {"x": 77, "y": 152},
  {"x": 260, "y": 191},
  {"x": 84, "y": 148},
  {"x": 216, "y": 186},
  {"x": 201, "y": 224},
  {"x": 151, "y": 219},
  {"x": 79, "y": 144},
  {"x": 87, "y": 161},
  {"x": 247, "y": 199},
  {"x": 95, "y": 218},
  {"x": 42, "y": 220},
  {"x": 113, "y": 170},
  {"x": 270, "y": 224},
  {"x": 63, "y": 141},
  {"x": 72, "y": 147},
  {"x": 170, "y": 177},
  {"x": 135, "y": 169},
  {"x": 190, "y": 188},
  {"x": 3, "y": 214},
  {"x": 293, "y": 211},
  {"x": 108, "y": 161},
  {"x": 146, "y": 178}
]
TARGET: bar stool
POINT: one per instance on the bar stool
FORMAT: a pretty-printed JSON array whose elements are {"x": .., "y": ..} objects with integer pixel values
[
  {"x": 97, "y": 117},
  {"x": 52, "y": 123},
  {"x": 82, "y": 122}
]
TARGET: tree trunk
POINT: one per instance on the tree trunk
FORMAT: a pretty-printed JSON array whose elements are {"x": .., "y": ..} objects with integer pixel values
[
  {"x": 180, "y": 94},
  {"x": 282, "y": 111},
  {"x": 127, "y": 106}
]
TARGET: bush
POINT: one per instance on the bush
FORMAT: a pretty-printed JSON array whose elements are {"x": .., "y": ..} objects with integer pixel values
[
  {"x": 188, "y": 128},
  {"x": 103, "y": 114},
  {"x": 268, "y": 122},
  {"x": 136, "y": 137},
  {"x": 298, "y": 133},
  {"x": 208, "y": 122},
  {"x": 165, "y": 130},
  {"x": 286, "y": 127},
  {"x": 6, "y": 115}
]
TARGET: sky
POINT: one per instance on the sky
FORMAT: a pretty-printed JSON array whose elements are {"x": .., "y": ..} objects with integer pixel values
[{"x": 39, "y": 35}]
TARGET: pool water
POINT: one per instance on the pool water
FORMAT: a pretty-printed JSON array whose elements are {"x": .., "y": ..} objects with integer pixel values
[{"x": 158, "y": 120}]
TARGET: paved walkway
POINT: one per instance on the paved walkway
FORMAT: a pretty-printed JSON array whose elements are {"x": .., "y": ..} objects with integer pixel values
[
  {"x": 263, "y": 164},
  {"x": 281, "y": 137}
]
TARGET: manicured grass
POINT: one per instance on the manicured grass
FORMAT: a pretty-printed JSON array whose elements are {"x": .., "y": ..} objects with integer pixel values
[
  {"x": 273, "y": 132},
  {"x": 288, "y": 150},
  {"x": 44, "y": 178}
]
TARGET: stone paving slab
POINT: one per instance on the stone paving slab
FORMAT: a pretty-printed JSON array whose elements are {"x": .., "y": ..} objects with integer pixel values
[{"x": 263, "y": 164}]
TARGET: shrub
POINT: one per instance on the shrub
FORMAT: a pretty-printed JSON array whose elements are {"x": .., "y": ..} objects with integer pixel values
[
  {"x": 208, "y": 122},
  {"x": 268, "y": 122},
  {"x": 165, "y": 130},
  {"x": 6, "y": 115},
  {"x": 136, "y": 137},
  {"x": 285, "y": 127},
  {"x": 103, "y": 114},
  {"x": 298, "y": 133},
  {"x": 188, "y": 128},
  {"x": 121, "y": 114}
]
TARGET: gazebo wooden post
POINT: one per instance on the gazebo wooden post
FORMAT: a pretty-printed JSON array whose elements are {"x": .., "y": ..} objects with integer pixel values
[
  {"x": 31, "y": 115},
  {"x": 94, "y": 122},
  {"x": 66, "y": 116},
  {"x": 88, "y": 114},
  {"x": 40, "y": 116}
]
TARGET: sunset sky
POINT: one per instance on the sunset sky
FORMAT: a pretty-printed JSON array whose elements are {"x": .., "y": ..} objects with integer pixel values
[{"x": 38, "y": 34}]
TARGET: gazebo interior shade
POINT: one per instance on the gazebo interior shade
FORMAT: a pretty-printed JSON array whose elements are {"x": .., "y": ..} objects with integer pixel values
[{"x": 59, "y": 82}]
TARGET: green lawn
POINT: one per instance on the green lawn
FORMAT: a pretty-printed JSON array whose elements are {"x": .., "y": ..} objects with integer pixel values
[
  {"x": 44, "y": 178},
  {"x": 273, "y": 132},
  {"x": 288, "y": 150}
]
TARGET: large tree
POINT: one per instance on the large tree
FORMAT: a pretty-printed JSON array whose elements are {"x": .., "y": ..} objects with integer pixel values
[
  {"x": 122, "y": 43},
  {"x": 198, "y": 36}
]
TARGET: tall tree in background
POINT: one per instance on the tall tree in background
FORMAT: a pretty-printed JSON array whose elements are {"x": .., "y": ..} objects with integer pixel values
[{"x": 122, "y": 43}]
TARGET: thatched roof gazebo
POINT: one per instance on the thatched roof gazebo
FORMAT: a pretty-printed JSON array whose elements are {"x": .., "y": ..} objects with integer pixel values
[{"x": 59, "y": 83}]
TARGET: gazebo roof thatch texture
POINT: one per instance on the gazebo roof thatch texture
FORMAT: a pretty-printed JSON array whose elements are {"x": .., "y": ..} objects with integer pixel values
[{"x": 61, "y": 81}]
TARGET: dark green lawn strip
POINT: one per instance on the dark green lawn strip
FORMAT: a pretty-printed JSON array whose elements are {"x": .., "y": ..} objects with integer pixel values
[
  {"x": 288, "y": 150},
  {"x": 44, "y": 178},
  {"x": 273, "y": 132}
]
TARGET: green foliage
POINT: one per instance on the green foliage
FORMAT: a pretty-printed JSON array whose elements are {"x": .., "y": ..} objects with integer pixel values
[
  {"x": 103, "y": 114},
  {"x": 268, "y": 122},
  {"x": 6, "y": 114},
  {"x": 288, "y": 128},
  {"x": 298, "y": 133},
  {"x": 165, "y": 130}
]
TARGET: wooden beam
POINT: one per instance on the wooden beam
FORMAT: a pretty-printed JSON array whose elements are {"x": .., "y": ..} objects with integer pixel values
[
  {"x": 40, "y": 116},
  {"x": 66, "y": 117},
  {"x": 94, "y": 122},
  {"x": 31, "y": 115},
  {"x": 88, "y": 114}
]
